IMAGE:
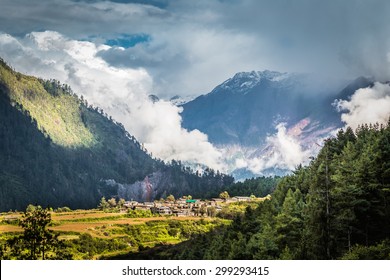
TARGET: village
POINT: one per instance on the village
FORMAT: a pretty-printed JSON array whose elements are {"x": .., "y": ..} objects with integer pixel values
[{"x": 187, "y": 206}]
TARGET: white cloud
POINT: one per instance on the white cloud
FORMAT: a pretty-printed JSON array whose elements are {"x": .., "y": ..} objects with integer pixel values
[
  {"x": 288, "y": 149},
  {"x": 283, "y": 150},
  {"x": 367, "y": 105},
  {"x": 240, "y": 163},
  {"x": 121, "y": 92},
  {"x": 189, "y": 60}
]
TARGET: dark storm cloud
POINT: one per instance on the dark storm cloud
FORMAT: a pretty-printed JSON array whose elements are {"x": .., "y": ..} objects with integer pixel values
[
  {"x": 353, "y": 34},
  {"x": 77, "y": 19},
  {"x": 158, "y": 3}
]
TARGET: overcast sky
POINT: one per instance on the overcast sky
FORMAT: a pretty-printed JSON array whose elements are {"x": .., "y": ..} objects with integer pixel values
[
  {"x": 117, "y": 53},
  {"x": 189, "y": 47}
]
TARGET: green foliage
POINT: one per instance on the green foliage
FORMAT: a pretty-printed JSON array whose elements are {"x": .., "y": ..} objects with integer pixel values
[
  {"x": 211, "y": 211},
  {"x": 140, "y": 214},
  {"x": 38, "y": 169},
  {"x": 112, "y": 202},
  {"x": 224, "y": 195},
  {"x": 379, "y": 251},
  {"x": 232, "y": 210},
  {"x": 145, "y": 238},
  {"x": 259, "y": 187},
  {"x": 36, "y": 242},
  {"x": 289, "y": 223},
  {"x": 30, "y": 208},
  {"x": 103, "y": 205},
  {"x": 183, "y": 180},
  {"x": 86, "y": 246},
  {"x": 121, "y": 202},
  {"x": 348, "y": 198},
  {"x": 203, "y": 210},
  {"x": 90, "y": 219},
  {"x": 63, "y": 209},
  {"x": 12, "y": 221},
  {"x": 54, "y": 108},
  {"x": 36, "y": 238}
]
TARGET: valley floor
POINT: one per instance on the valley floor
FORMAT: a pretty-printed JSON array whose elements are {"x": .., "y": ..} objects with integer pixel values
[{"x": 92, "y": 234}]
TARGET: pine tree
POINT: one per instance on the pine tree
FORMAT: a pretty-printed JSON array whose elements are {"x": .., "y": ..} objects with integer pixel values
[
  {"x": 289, "y": 223},
  {"x": 103, "y": 205}
]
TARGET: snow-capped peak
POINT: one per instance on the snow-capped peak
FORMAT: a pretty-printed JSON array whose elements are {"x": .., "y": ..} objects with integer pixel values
[
  {"x": 177, "y": 100},
  {"x": 244, "y": 81}
]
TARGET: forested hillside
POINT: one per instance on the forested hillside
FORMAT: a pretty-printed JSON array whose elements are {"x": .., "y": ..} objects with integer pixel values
[
  {"x": 337, "y": 207},
  {"x": 259, "y": 187},
  {"x": 56, "y": 150}
]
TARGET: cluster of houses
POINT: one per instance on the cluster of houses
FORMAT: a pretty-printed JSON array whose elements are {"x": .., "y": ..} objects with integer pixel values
[{"x": 185, "y": 207}]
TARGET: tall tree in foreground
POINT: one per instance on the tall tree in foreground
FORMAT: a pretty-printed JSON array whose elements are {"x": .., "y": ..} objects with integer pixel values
[{"x": 36, "y": 240}]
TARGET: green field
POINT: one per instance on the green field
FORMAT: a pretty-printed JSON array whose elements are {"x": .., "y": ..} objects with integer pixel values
[{"x": 92, "y": 234}]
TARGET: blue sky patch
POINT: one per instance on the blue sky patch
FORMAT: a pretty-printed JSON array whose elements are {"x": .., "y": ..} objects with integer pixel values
[{"x": 128, "y": 40}]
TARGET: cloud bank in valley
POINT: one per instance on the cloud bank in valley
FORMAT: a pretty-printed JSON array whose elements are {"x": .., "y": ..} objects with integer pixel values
[
  {"x": 288, "y": 151},
  {"x": 282, "y": 150},
  {"x": 121, "y": 92},
  {"x": 366, "y": 105}
]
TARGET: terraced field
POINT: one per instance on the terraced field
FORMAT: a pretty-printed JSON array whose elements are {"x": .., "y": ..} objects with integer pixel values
[
  {"x": 111, "y": 233},
  {"x": 92, "y": 222}
]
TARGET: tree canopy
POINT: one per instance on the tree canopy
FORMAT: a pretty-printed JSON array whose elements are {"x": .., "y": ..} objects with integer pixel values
[{"x": 36, "y": 241}]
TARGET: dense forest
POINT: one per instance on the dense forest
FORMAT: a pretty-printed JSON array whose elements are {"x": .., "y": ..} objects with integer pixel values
[
  {"x": 338, "y": 207},
  {"x": 56, "y": 150},
  {"x": 259, "y": 187}
]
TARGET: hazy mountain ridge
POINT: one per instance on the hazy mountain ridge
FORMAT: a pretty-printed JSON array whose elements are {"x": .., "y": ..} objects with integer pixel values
[
  {"x": 246, "y": 107},
  {"x": 246, "y": 113}
]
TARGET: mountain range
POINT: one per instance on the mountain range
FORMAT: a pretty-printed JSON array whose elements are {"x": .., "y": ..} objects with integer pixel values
[{"x": 244, "y": 114}]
